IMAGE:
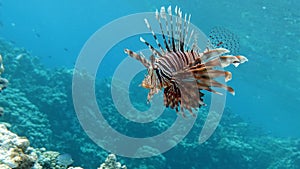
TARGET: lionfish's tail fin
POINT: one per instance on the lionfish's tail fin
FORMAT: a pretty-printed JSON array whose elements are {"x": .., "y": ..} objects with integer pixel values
[{"x": 138, "y": 57}]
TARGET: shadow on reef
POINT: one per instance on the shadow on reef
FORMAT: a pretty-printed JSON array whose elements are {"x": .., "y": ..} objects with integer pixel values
[{"x": 38, "y": 104}]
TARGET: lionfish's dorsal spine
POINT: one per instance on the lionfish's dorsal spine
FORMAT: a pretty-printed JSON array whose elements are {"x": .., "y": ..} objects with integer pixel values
[
  {"x": 154, "y": 35},
  {"x": 138, "y": 57},
  {"x": 167, "y": 25},
  {"x": 187, "y": 27},
  {"x": 152, "y": 49},
  {"x": 172, "y": 30},
  {"x": 180, "y": 44},
  {"x": 177, "y": 37},
  {"x": 162, "y": 15}
]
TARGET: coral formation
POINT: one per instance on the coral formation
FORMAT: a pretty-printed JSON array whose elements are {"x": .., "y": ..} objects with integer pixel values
[
  {"x": 26, "y": 118},
  {"x": 3, "y": 81},
  {"x": 111, "y": 163},
  {"x": 15, "y": 151},
  {"x": 38, "y": 105},
  {"x": 50, "y": 159},
  {"x": 35, "y": 115}
]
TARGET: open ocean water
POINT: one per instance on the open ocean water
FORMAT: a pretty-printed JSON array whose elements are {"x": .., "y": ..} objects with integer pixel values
[{"x": 41, "y": 40}]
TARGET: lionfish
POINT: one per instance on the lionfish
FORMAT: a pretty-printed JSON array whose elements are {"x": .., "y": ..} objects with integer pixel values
[{"x": 182, "y": 72}]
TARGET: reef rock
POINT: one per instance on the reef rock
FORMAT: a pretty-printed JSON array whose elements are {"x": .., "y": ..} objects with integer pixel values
[
  {"x": 26, "y": 118},
  {"x": 111, "y": 163},
  {"x": 15, "y": 151}
]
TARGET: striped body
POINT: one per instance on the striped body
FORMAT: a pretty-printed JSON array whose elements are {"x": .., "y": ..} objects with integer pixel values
[
  {"x": 176, "y": 61},
  {"x": 179, "y": 68}
]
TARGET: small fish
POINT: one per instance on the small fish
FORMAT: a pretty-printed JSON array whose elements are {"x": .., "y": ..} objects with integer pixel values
[
  {"x": 3, "y": 83},
  {"x": 64, "y": 159},
  {"x": 19, "y": 56},
  {"x": 179, "y": 68},
  {"x": 36, "y": 33},
  {"x": 1, "y": 65},
  {"x": 1, "y": 111}
]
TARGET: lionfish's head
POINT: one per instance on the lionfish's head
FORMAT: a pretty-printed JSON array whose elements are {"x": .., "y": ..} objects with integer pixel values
[{"x": 149, "y": 81}]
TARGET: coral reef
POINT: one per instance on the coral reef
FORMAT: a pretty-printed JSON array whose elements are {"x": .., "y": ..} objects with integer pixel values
[
  {"x": 15, "y": 151},
  {"x": 38, "y": 105},
  {"x": 25, "y": 117},
  {"x": 111, "y": 163}
]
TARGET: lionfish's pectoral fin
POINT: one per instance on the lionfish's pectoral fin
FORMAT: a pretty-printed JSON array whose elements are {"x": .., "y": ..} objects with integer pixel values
[
  {"x": 206, "y": 84},
  {"x": 211, "y": 74},
  {"x": 172, "y": 97},
  {"x": 203, "y": 77}
]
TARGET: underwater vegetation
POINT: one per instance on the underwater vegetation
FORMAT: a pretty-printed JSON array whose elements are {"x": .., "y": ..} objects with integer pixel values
[{"x": 37, "y": 104}]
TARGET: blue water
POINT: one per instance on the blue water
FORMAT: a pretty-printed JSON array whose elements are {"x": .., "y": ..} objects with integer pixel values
[{"x": 267, "y": 87}]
